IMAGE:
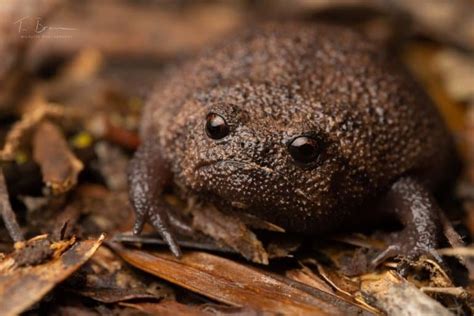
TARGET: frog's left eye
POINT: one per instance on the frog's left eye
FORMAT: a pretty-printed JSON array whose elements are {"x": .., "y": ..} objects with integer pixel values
[
  {"x": 216, "y": 126},
  {"x": 304, "y": 149}
]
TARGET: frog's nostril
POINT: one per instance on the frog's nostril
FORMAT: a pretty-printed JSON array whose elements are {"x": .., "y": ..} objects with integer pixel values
[{"x": 242, "y": 145}]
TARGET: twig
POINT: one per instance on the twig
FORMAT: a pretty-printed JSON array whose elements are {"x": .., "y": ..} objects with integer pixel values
[
  {"x": 454, "y": 291},
  {"x": 28, "y": 121},
  {"x": 8, "y": 215},
  {"x": 200, "y": 245},
  {"x": 458, "y": 251}
]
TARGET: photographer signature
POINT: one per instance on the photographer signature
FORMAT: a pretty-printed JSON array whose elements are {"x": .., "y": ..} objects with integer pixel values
[{"x": 39, "y": 27}]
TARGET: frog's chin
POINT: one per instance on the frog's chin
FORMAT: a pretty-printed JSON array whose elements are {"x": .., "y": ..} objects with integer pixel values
[
  {"x": 225, "y": 203},
  {"x": 239, "y": 205}
]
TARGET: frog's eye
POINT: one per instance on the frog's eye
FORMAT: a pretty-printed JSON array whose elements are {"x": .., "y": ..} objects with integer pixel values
[
  {"x": 216, "y": 126},
  {"x": 304, "y": 149}
]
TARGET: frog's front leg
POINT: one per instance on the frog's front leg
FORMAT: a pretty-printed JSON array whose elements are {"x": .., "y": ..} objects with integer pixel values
[
  {"x": 414, "y": 206},
  {"x": 148, "y": 175}
]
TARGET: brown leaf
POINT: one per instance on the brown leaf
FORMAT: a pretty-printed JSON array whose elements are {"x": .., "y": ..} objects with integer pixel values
[
  {"x": 34, "y": 251},
  {"x": 237, "y": 284},
  {"x": 106, "y": 278},
  {"x": 22, "y": 287},
  {"x": 254, "y": 222},
  {"x": 59, "y": 165},
  {"x": 282, "y": 246},
  {"x": 343, "y": 286},
  {"x": 107, "y": 211},
  {"x": 38, "y": 110},
  {"x": 306, "y": 276},
  {"x": 230, "y": 231},
  {"x": 396, "y": 296},
  {"x": 114, "y": 295},
  {"x": 167, "y": 308}
]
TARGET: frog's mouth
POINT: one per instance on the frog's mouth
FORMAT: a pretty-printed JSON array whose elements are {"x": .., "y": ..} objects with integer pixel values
[
  {"x": 245, "y": 166},
  {"x": 232, "y": 182},
  {"x": 242, "y": 165}
]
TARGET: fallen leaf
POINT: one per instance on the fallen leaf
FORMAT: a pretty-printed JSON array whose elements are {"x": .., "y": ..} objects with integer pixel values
[
  {"x": 59, "y": 166},
  {"x": 22, "y": 287},
  {"x": 108, "y": 279},
  {"x": 230, "y": 231},
  {"x": 38, "y": 111},
  {"x": 167, "y": 308},
  {"x": 237, "y": 284},
  {"x": 396, "y": 296},
  {"x": 110, "y": 295},
  {"x": 306, "y": 276}
]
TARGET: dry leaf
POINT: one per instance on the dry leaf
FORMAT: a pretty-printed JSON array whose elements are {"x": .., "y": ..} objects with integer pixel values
[
  {"x": 167, "y": 308},
  {"x": 230, "y": 231},
  {"x": 396, "y": 296},
  {"x": 306, "y": 276},
  {"x": 106, "y": 278},
  {"x": 237, "y": 284},
  {"x": 37, "y": 112},
  {"x": 59, "y": 166},
  {"x": 22, "y": 287}
]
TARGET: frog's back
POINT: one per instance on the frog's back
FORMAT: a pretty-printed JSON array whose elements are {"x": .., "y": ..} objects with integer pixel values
[{"x": 383, "y": 122}]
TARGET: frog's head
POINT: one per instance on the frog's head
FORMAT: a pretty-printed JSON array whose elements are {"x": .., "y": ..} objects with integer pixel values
[{"x": 242, "y": 149}]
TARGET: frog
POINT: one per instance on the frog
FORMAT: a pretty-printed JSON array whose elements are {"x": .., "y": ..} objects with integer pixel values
[{"x": 310, "y": 126}]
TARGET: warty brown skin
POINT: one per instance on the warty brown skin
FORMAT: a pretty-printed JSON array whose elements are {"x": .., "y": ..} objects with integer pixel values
[{"x": 379, "y": 138}]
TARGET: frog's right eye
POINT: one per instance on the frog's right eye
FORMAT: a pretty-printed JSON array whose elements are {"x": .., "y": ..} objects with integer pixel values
[{"x": 216, "y": 126}]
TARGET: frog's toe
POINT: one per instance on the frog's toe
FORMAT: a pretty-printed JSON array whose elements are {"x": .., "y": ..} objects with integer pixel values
[
  {"x": 408, "y": 248},
  {"x": 389, "y": 252},
  {"x": 163, "y": 228},
  {"x": 140, "y": 220},
  {"x": 159, "y": 220}
]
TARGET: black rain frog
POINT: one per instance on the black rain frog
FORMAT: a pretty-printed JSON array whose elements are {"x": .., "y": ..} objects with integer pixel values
[{"x": 309, "y": 126}]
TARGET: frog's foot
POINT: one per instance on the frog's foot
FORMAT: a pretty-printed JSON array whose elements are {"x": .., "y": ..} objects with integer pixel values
[
  {"x": 159, "y": 219},
  {"x": 402, "y": 244},
  {"x": 148, "y": 175},
  {"x": 413, "y": 205}
]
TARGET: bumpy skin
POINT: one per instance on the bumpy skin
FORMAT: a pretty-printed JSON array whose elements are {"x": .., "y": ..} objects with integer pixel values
[{"x": 376, "y": 130}]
